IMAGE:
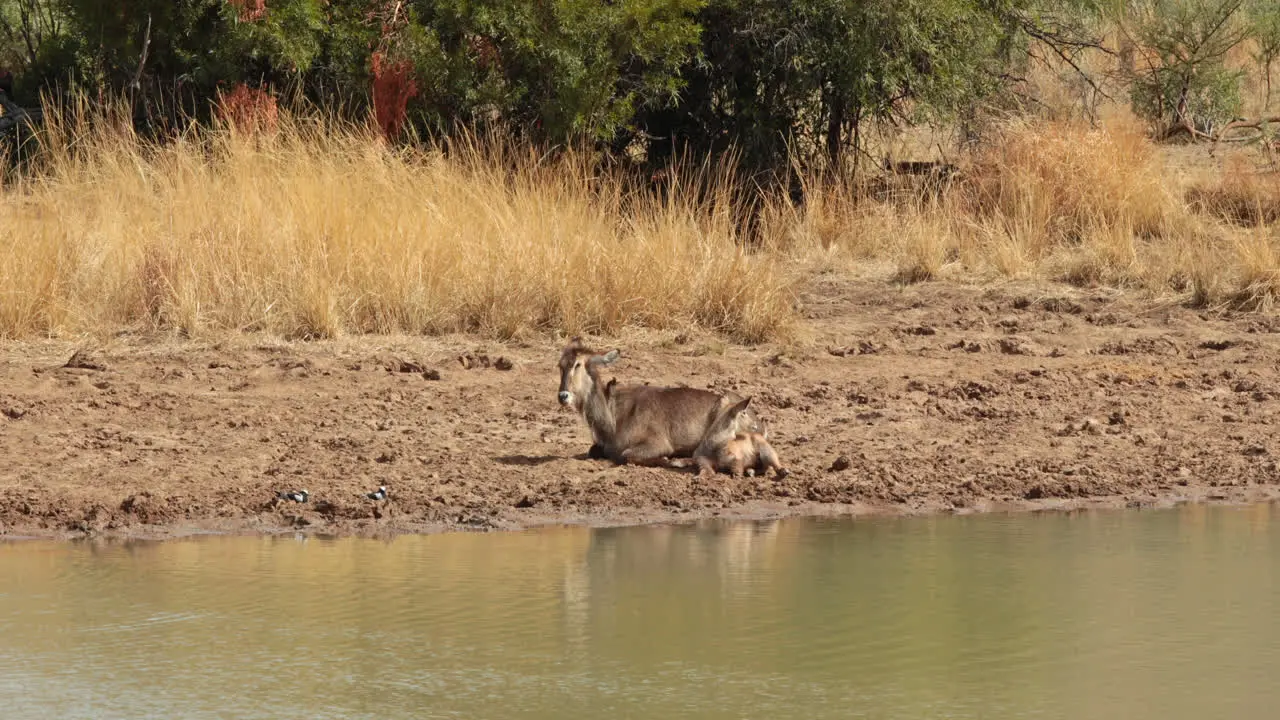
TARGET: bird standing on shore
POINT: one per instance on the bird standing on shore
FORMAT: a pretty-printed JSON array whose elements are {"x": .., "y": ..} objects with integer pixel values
[{"x": 379, "y": 494}]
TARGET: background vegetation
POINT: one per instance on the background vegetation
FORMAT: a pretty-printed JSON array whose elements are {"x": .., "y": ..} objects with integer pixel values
[{"x": 648, "y": 78}]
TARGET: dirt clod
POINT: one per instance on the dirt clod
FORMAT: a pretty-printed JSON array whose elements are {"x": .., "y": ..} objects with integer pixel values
[
  {"x": 472, "y": 361},
  {"x": 82, "y": 360},
  {"x": 400, "y": 365}
]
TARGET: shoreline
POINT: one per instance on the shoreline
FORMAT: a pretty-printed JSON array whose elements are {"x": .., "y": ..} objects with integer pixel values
[
  {"x": 257, "y": 527},
  {"x": 934, "y": 398}
]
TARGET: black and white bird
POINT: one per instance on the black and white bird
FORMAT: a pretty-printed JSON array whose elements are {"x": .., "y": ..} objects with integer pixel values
[
  {"x": 298, "y": 496},
  {"x": 379, "y": 494}
]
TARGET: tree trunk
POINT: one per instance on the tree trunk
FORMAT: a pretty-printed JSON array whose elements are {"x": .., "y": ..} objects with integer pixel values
[
  {"x": 835, "y": 127},
  {"x": 1266, "y": 102},
  {"x": 1127, "y": 65},
  {"x": 1181, "y": 115},
  {"x": 857, "y": 140}
]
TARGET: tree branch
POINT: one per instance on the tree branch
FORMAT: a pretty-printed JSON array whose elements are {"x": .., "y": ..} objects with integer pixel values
[
  {"x": 1059, "y": 43},
  {"x": 1245, "y": 125},
  {"x": 142, "y": 61}
]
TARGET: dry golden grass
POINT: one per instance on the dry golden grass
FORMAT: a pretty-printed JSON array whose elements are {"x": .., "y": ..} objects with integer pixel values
[
  {"x": 1060, "y": 201},
  {"x": 1240, "y": 195},
  {"x": 312, "y": 232},
  {"x": 1258, "y": 286},
  {"x": 1065, "y": 181}
]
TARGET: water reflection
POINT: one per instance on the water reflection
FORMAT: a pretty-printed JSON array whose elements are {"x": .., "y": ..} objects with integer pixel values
[{"x": 1123, "y": 614}]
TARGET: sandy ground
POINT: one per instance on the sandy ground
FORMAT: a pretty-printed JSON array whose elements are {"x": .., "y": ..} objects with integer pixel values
[{"x": 932, "y": 398}]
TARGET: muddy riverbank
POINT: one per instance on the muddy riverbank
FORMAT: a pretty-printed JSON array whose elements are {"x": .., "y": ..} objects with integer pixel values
[{"x": 932, "y": 398}]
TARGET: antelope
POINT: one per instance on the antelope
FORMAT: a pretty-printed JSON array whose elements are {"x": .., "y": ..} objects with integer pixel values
[
  {"x": 735, "y": 443},
  {"x": 635, "y": 424}
]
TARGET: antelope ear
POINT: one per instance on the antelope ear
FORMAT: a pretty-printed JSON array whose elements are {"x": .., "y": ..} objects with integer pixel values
[
  {"x": 737, "y": 409},
  {"x": 608, "y": 358}
]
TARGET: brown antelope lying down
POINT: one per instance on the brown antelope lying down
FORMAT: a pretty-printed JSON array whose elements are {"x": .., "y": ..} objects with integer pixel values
[
  {"x": 635, "y": 424},
  {"x": 735, "y": 444}
]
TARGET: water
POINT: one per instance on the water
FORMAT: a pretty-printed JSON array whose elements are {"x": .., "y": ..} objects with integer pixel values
[{"x": 1152, "y": 614}]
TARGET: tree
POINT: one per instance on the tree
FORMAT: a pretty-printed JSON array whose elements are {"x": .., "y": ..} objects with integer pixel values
[
  {"x": 24, "y": 26},
  {"x": 777, "y": 76},
  {"x": 1183, "y": 83},
  {"x": 560, "y": 69},
  {"x": 1264, "y": 19}
]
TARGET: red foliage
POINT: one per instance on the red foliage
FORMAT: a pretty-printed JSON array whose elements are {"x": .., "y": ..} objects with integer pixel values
[
  {"x": 248, "y": 109},
  {"x": 249, "y": 10},
  {"x": 393, "y": 87},
  {"x": 485, "y": 51}
]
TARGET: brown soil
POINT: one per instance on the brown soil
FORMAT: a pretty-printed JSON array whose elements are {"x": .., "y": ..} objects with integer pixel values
[{"x": 931, "y": 398}]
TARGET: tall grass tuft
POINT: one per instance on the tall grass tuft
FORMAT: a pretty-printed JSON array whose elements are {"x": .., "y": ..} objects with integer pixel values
[
  {"x": 1239, "y": 195},
  {"x": 1064, "y": 183},
  {"x": 314, "y": 230}
]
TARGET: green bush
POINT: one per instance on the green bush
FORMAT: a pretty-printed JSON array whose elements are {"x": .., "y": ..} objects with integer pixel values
[
  {"x": 772, "y": 79},
  {"x": 1183, "y": 82}
]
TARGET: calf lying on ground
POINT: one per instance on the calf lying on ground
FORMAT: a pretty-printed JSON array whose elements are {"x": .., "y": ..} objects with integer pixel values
[{"x": 737, "y": 443}]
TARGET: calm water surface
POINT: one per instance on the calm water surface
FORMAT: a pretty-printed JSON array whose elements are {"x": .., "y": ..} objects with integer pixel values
[{"x": 1153, "y": 614}]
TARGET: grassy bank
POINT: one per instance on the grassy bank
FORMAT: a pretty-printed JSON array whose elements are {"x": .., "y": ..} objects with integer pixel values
[{"x": 312, "y": 232}]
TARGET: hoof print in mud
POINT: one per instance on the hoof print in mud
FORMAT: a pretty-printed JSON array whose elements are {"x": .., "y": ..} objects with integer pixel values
[{"x": 1218, "y": 345}]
